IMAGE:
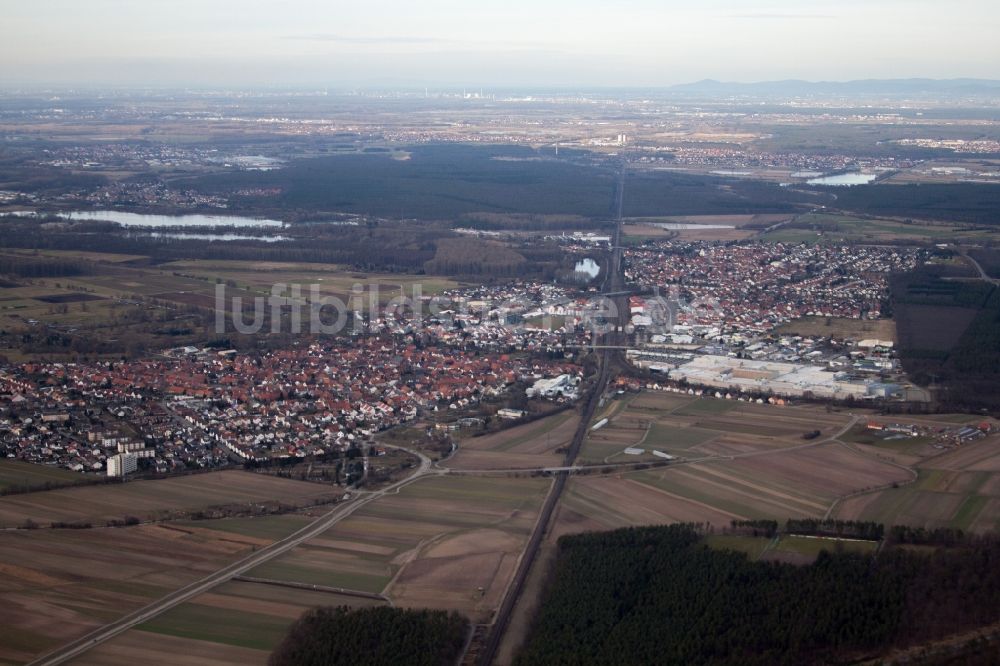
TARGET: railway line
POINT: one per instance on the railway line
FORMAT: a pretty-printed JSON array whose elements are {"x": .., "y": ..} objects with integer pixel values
[{"x": 612, "y": 341}]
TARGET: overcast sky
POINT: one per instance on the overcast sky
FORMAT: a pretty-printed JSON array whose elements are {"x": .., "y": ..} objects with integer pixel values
[{"x": 492, "y": 43}]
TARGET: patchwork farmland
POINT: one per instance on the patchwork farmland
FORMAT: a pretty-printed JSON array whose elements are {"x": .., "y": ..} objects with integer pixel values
[
  {"x": 442, "y": 542},
  {"x": 738, "y": 460},
  {"x": 959, "y": 488},
  {"x": 452, "y": 539},
  {"x": 60, "y": 584}
]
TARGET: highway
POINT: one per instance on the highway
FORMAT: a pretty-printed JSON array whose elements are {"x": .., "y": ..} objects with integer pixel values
[
  {"x": 613, "y": 337},
  {"x": 238, "y": 568}
]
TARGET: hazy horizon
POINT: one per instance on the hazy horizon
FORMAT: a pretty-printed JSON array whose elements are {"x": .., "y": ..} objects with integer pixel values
[{"x": 637, "y": 43}]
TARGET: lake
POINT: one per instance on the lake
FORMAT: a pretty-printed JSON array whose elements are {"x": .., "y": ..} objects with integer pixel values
[
  {"x": 214, "y": 237},
  {"x": 154, "y": 221},
  {"x": 844, "y": 179}
]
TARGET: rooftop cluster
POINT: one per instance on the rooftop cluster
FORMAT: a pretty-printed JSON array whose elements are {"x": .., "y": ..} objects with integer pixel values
[
  {"x": 204, "y": 408},
  {"x": 750, "y": 288}
]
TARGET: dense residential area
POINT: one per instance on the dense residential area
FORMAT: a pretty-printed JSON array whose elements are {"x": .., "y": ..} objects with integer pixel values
[{"x": 212, "y": 408}]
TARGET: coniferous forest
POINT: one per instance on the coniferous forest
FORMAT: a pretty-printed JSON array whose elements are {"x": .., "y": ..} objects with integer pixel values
[
  {"x": 658, "y": 595},
  {"x": 379, "y": 636}
]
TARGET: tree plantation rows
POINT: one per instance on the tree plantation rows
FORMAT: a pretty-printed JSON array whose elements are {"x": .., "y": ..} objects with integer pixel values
[
  {"x": 379, "y": 636},
  {"x": 659, "y": 595}
]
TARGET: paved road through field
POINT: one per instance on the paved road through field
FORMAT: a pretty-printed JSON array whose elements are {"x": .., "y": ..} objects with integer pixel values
[{"x": 146, "y": 613}]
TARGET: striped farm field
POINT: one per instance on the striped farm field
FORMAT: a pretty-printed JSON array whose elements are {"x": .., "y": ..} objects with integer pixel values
[
  {"x": 60, "y": 584},
  {"x": 444, "y": 542}
]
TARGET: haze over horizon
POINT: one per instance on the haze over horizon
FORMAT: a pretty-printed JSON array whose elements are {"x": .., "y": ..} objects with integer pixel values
[{"x": 518, "y": 43}]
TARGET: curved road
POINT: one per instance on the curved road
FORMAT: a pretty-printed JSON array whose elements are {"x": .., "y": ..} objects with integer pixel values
[{"x": 983, "y": 275}]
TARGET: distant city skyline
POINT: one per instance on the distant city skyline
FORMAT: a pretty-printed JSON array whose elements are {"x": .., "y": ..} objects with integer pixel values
[{"x": 514, "y": 43}]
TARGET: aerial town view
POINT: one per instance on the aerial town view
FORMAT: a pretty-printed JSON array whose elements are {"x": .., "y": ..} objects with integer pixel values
[{"x": 468, "y": 335}]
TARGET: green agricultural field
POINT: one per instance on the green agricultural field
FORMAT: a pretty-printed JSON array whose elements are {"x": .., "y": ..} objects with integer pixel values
[
  {"x": 262, "y": 527},
  {"x": 674, "y": 438},
  {"x": 245, "y": 631},
  {"x": 220, "y": 625},
  {"x": 15, "y": 474},
  {"x": 707, "y": 406},
  {"x": 938, "y": 498},
  {"x": 349, "y": 580}
]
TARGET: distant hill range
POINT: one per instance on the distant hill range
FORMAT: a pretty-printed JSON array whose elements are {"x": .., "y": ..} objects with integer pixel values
[{"x": 795, "y": 87}]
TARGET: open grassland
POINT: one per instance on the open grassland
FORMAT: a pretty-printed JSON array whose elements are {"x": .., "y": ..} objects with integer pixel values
[
  {"x": 332, "y": 280},
  {"x": 158, "y": 499},
  {"x": 900, "y": 449},
  {"x": 526, "y": 446},
  {"x": 114, "y": 296},
  {"x": 700, "y": 227},
  {"x": 795, "y": 549},
  {"x": 787, "y": 548},
  {"x": 18, "y": 475},
  {"x": 693, "y": 428},
  {"x": 59, "y": 584},
  {"x": 840, "y": 328},
  {"x": 829, "y": 228},
  {"x": 446, "y": 542}
]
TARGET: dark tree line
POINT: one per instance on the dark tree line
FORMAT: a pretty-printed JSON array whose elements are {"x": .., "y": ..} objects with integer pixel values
[
  {"x": 656, "y": 595},
  {"x": 379, "y": 636},
  {"x": 41, "y": 267}
]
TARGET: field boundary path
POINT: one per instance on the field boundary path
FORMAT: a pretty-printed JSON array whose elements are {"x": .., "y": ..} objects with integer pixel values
[
  {"x": 343, "y": 591},
  {"x": 227, "y": 573}
]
